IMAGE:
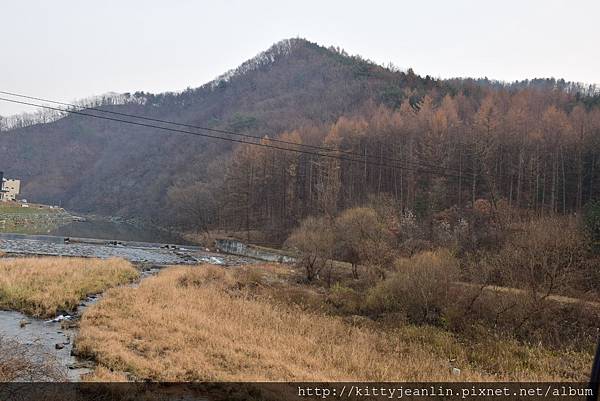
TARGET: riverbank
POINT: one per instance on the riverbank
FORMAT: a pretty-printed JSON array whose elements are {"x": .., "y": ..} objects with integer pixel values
[{"x": 32, "y": 218}]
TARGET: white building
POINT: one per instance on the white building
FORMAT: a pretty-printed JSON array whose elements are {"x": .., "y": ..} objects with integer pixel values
[{"x": 9, "y": 190}]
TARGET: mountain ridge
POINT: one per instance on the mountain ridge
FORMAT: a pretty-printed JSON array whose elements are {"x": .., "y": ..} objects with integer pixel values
[
  {"x": 293, "y": 83},
  {"x": 97, "y": 166}
]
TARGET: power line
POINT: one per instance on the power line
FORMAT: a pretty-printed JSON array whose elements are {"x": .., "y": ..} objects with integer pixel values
[
  {"x": 414, "y": 166},
  {"x": 266, "y": 145},
  {"x": 227, "y": 132}
]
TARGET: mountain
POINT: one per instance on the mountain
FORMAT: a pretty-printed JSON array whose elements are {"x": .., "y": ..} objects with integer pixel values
[
  {"x": 105, "y": 167},
  {"x": 430, "y": 146}
]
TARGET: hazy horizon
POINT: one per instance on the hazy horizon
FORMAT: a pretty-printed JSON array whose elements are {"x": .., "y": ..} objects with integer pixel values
[{"x": 72, "y": 50}]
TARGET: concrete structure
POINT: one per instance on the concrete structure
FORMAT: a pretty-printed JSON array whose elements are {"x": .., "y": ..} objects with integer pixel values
[
  {"x": 236, "y": 247},
  {"x": 9, "y": 189}
]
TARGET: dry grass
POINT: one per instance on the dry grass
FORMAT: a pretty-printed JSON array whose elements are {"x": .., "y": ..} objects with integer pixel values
[
  {"x": 211, "y": 324},
  {"x": 42, "y": 286},
  {"x": 196, "y": 324}
]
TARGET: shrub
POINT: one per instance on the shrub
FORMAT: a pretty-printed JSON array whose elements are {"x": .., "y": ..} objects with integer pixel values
[
  {"x": 344, "y": 299},
  {"x": 250, "y": 277},
  {"x": 544, "y": 256},
  {"x": 315, "y": 239},
  {"x": 362, "y": 237},
  {"x": 478, "y": 311},
  {"x": 419, "y": 287}
]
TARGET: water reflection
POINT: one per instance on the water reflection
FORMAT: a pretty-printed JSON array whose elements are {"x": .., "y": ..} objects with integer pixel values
[{"x": 102, "y": 229}]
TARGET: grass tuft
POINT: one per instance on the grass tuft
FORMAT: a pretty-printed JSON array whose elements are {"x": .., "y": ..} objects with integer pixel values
[{"x": 41, "y": 287}]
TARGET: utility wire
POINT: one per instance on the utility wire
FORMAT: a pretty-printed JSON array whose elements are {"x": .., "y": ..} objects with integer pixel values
[
  {"x": 408, "y": 165},
  {"x": 266, "y": 145},
  {"x": 227, "y": 132}
]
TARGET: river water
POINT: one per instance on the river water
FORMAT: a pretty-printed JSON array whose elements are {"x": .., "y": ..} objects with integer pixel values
[
  {"x": 42, "y": 337},
  {"x": 113, "y": 230}
]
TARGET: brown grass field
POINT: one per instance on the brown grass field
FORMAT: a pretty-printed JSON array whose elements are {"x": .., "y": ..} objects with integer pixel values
[
  {"x": 42, "y": 286},
  {"x": 208, "y": 323}
]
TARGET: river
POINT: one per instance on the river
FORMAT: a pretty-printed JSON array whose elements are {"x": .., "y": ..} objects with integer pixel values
[{"x": 113, "y": 230}]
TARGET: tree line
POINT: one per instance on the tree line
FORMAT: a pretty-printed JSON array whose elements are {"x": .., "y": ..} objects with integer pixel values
[
  {"x": 44, "y": 116},
  {"x": 532, "y": 149}
]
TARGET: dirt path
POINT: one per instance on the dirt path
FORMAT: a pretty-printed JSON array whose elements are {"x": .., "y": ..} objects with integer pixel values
[{"x": 561, "y": 299}]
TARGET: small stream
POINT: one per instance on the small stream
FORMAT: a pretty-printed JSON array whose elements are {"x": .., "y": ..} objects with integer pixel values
[
  {"x": 55, "y": 338},
  {"x": 44, "y": 336}
]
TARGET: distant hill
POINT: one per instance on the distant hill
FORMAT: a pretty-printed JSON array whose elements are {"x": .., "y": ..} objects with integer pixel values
[{"x": 98, "y": 166}]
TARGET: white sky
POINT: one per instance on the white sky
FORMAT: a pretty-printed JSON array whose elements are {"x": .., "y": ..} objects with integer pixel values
[{"x": 68, "y": 49}]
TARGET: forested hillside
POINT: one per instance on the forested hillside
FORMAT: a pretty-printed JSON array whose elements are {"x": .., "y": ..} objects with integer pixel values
[
  {"x": 526, "y": 149},
  {"x": 429, "y": 145},
  {"x": 94, "y": 165}
]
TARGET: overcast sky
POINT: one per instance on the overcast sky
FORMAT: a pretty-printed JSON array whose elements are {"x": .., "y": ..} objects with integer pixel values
[{"x": 68, "y": 49}]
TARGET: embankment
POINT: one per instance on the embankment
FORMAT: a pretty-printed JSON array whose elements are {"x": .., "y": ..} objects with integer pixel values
[{"x": 32, "y": 220}]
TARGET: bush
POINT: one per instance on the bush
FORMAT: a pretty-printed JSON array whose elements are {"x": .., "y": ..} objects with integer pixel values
[
  {"x": 547, "y": 255},
  {"x": 480, "y": 311},
  {"x": 419, "y": 287},
  {"x": 346, "y": 300},
  {"x": 362, "y": 237},
  {"x": 315, "y": 239}
]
